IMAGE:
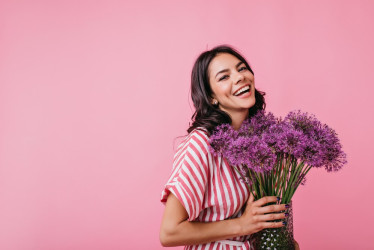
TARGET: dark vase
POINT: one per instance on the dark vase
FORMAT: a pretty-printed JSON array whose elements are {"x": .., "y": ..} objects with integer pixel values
[{"x": 275, "y": 238}]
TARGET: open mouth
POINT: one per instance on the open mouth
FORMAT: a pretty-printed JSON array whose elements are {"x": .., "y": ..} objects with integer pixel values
[{"x": 242, "y": 91}]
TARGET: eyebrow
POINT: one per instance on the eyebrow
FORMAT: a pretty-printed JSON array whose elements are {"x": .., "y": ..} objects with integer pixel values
[{"x": 225, "y": 70}]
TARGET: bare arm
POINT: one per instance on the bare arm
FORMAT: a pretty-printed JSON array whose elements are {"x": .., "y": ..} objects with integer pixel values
[{"x": 176, "y": 230}]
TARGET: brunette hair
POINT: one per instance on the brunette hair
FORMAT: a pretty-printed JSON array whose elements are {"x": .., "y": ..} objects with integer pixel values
[{"x": 206, "y": 114}]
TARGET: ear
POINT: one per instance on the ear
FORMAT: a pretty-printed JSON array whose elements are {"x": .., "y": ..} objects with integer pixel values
[{"x": 211, "y": 99}]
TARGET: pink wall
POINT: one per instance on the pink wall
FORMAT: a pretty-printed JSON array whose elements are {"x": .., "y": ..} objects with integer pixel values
[{"x": 93, "y": 93}]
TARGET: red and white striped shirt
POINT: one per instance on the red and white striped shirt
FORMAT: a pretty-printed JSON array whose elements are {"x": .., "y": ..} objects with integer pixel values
[{"x": 207, "y": 186}]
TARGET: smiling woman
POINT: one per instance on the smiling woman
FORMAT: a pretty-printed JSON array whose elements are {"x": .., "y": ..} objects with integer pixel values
[
  {"x": 217, "y": 70},
  {"x": 232, "y": 87},
  {"x": 206, "y": 204}
]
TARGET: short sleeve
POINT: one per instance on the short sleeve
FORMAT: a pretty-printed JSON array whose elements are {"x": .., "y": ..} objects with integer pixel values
[{"x": 190, "y": 173}]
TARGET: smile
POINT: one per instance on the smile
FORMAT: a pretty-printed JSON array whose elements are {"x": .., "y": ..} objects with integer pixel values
[{"x": 242, "y": 90}]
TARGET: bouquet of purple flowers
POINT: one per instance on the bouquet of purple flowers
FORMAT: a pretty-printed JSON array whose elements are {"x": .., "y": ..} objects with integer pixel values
[{"x": 273, "y": 155}]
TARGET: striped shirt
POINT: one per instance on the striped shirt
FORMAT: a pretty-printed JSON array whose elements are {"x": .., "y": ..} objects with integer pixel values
[{"x": 207, "y": 186}]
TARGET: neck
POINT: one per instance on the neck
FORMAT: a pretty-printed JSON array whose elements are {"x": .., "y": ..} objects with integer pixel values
[{"x": 238, "y": 118}]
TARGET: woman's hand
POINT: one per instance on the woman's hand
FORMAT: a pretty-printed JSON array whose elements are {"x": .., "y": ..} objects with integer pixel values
[
  {"x": 256, "y": 216},
  {"x": 176, "y": 230}
]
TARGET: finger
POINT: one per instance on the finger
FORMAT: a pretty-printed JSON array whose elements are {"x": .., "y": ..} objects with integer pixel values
[
  {"x": 264, "y": 200},
  {"x": 271, "y": 209},
  {"x": 270, "y": 217},
  {"x": 271, "y": 224}
]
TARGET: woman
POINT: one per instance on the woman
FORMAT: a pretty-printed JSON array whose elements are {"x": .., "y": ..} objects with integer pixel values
[{"x": 206, "y": 204}]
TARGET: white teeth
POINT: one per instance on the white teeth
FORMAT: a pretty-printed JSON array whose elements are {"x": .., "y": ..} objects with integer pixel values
[{"x": 241, "y": 90}]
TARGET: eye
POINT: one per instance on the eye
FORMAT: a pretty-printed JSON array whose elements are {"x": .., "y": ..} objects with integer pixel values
[
  {"x": 223, "y": 77},
  {"x": 242, "y": 68}
]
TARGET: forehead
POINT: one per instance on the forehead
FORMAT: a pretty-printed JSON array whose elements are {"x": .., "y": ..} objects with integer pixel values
[{"x": 222, "y": 61}]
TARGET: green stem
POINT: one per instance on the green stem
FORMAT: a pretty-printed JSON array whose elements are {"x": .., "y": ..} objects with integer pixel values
[
  {"x": 285, "y": 179},
  {"x": 295, "y": 173},
  {"x": 254, "y": 184},
  {"x": 278, "y": 174},
  {"x": 249, "y": 187},
  {"x": 260, "y": 183},
  {"x": 303, "y": 173}
]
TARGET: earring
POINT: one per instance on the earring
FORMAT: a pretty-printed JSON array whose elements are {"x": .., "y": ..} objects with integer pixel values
[{"x": 215, "y": 102}]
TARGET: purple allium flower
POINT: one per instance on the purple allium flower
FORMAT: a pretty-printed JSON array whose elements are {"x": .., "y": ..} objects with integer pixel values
[
  {"x": 304, "y": 122},
  {"x": 285, "y": 139},
  {"x": 221, "y": 138},
  {"x": 251, "y": 151},
  {"x": 257, "y": 124},
  {"x": 311, "y": 154},
  {"x": 263, "y": 137},
  {"x": 323, "y": 147},
  {"x": 241, "y": 148},
  {"x": 268, "y": 148},
  {"x": 333, "y": 158}
]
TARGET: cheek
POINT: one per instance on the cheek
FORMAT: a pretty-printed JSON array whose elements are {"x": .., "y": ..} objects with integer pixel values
[
  {"x": 225, "y": 90},
  {"x": 222, "y": 91}
]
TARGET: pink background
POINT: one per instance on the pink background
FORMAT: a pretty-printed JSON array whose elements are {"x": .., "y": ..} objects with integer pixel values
[{"x": 93, "y": 94}]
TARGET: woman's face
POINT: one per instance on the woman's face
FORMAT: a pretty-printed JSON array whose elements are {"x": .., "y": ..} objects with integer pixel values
[{"x": 232, "y": 84}]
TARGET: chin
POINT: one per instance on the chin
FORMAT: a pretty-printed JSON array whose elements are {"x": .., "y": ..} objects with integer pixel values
[{"x": 251, "y": 102}]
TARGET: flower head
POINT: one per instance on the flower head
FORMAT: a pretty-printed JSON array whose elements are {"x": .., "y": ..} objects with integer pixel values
[
  {"x": 221, "y": 138},
  {"x": 257, "y": 124},
  {"x": 285, "y": 139},
  {"x": 322, "y": 145},
  {"x": 263, "y": 137}
]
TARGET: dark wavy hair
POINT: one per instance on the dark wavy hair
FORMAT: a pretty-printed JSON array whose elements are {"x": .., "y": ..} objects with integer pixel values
[{"x": 206, "y": 114}]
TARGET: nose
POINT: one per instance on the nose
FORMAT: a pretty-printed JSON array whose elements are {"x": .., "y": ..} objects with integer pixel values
[{"x": 239, "y": 78}]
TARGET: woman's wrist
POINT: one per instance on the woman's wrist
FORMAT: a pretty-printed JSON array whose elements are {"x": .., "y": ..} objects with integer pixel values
[{"x": 238, "y": 226}]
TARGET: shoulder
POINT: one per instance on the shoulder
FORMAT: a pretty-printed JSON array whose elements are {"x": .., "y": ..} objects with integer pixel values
[
  {"x": 200, "y": 138},
  {"x": 200, "y": 132},
  {"x": 195, "y": 143}
]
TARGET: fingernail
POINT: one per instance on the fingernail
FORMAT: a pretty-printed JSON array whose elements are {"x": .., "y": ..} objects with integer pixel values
[
  {"x": 287, "y": 206},
  {"x": 284, "y": 223},
  {"x": 286, "y": 214},
  {"x": 278, "y": 198}
]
